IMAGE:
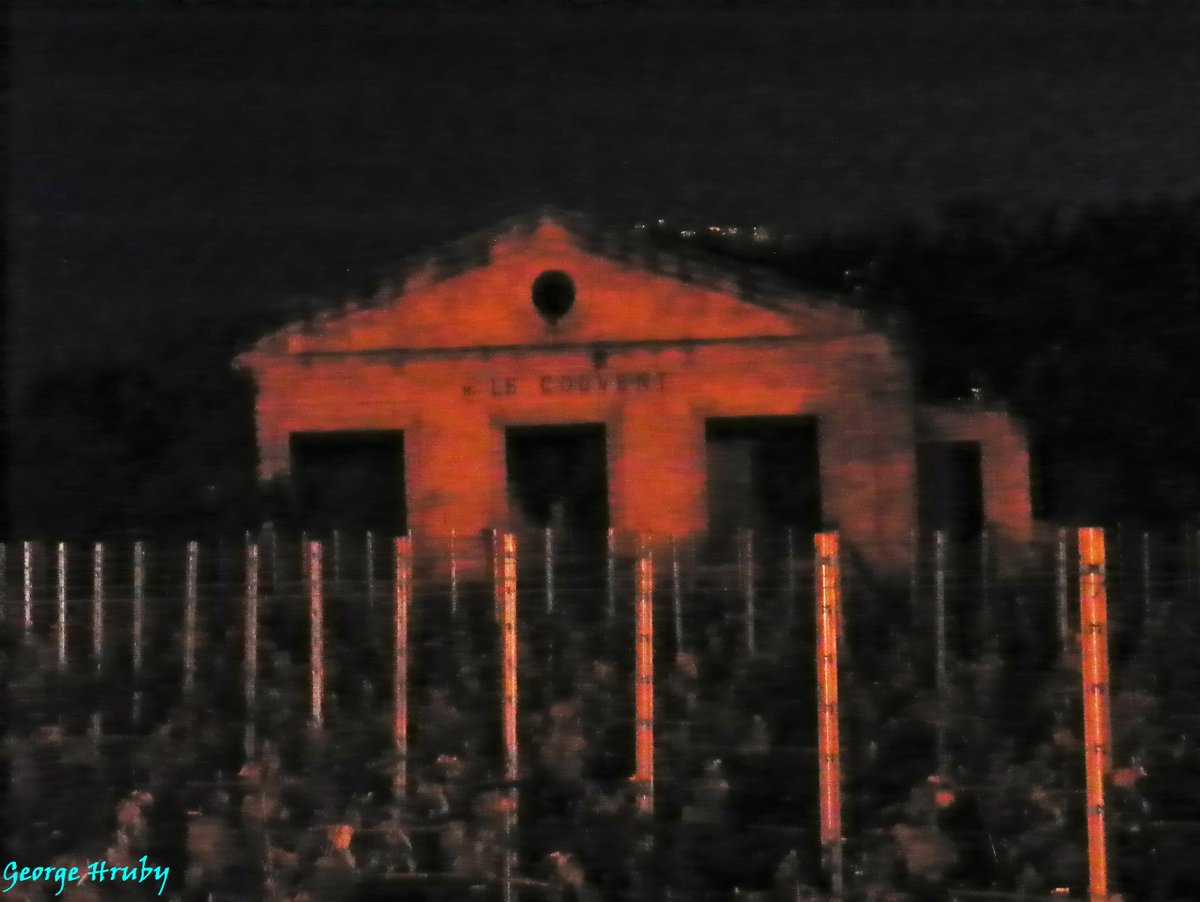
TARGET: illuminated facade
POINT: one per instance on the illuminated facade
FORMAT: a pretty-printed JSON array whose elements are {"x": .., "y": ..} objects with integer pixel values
[{"x": 550, "y": 373}]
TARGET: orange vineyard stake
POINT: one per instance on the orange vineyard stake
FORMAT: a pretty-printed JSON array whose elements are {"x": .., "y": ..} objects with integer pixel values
[
  {"x": 644, "y": 690},
  {"x": 403, "y": 586},
  {"x": 1093, "y": 639},
  {"x": 507, "y": 591},
  {"x": 828, "y": 742},
  {"x": 506, "y": 594}
]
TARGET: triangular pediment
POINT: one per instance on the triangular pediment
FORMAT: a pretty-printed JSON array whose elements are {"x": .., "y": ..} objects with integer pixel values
[{"x": 620, "y": 294}]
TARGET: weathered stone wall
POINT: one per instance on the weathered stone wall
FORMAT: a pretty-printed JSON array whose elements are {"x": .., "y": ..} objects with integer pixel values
[
  {"x": 454, "y": 362},
  {"x": 1007, "y": 503}
]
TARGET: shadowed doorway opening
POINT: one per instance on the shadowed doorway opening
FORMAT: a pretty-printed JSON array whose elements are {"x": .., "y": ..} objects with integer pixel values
[
  {"x": 763, "y": 474},
  {"x": 950, "y": 489},
  {"x": 558, "y": 477},
  {"x": 349, "y": 480}
]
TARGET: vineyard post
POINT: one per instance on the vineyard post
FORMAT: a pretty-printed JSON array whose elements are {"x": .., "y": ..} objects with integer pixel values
[
  {"x": 940, "y": 676},
  {"x": 403, "y": 605},
  {"x": 1061, "y": 590},
  {"x": 453, "y": 573},
  {"x": 98, "y": 606},
  {"x": 985, "y": 580},
  {"x": 250, "y": 647},
  {"x": 191, "y": 595},
  {"x": 914, "y": 580},
  {"x": 139, "y": 614},
  {"x": 95, "y": 721},
  {"x": 746, "y": 572},
  {"x": 316, "y": 633},
  {"x": 644, "y": 686},
  {"x": 676, "y": 596},
  {"x": 303, "y": 558},
  {"x": 1196, "y": 561},
  {"x": 221, "y": 560},
  {"x": 27, "y": 585},
  {"x": 1147, "y": 601},
  {"x": 1094, "y": 671},
  {"x": 506, "y": 591},
  {"x": 793, "y": 588},
  {"x": 496, "y": 560},
  {"x": 610, "y": 574},
  {"x": 829, "y": 743},
  {"x": 337, "y": 559},
  {"x": 1195, "y": 568},
  {"x": 549, "y": 566},
  {"x": 369, "y": 554},
  {"x": 1116, "y": 576},
  {"x": 61, "y": 572},
  {"x": 276, "y": 577},
  {"x": 1190, "y": 559}
]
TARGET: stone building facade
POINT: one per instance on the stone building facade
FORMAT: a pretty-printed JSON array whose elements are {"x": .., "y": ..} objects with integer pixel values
[{"x": 551, "y": 373}]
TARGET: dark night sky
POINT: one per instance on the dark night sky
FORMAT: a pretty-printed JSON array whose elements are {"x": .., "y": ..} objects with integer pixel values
[{"x": 174, "y": 165}]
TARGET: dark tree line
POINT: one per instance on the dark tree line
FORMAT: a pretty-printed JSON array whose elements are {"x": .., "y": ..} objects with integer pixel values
[{"x": 1086, "y": 324}]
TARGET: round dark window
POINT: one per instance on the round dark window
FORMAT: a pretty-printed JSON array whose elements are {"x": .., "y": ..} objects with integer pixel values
[{"x": 553, "y": 294}]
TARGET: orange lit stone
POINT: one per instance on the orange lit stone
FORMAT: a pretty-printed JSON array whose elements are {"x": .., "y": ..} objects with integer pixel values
[{"x": 645, "y": 350}]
